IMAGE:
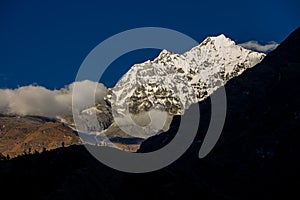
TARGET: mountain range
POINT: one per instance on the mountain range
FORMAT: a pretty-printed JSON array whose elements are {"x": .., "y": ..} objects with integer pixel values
[
  {"x": 144, "y": 102},
  {"x": 255, "y": 158}
]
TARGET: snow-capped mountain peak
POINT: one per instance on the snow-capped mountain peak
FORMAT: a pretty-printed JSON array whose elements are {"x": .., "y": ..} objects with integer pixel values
[{"x": 172, "y": 82}]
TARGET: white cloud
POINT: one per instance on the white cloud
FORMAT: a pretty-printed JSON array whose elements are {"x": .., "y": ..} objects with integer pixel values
[
  {"x": 254, "y": 45},
  {"x": 37, "y": 100}
]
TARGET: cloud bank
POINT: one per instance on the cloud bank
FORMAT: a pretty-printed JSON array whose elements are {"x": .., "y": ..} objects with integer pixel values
[
  {"x": 254, "y": 45},
  {"x": 37, "y": 100}
]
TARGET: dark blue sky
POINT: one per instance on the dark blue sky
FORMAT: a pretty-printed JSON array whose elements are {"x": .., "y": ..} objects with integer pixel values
[{"x": 44, "y": 42}]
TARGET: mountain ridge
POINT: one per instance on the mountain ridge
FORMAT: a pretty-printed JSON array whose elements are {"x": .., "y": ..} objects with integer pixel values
[
  {"x": 169, "y": 84},
  {"x": 173, "y": 87},
  {"x": 255, "y": 158}
]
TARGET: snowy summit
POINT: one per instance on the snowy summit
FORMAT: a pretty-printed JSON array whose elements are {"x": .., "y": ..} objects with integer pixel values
[{"x": 169, "y": 84}]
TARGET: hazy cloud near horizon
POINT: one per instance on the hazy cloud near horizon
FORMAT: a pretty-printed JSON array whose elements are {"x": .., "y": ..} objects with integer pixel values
[
  {"x": 254, "y": 45},
  {"x": 38, "y": 100}
]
